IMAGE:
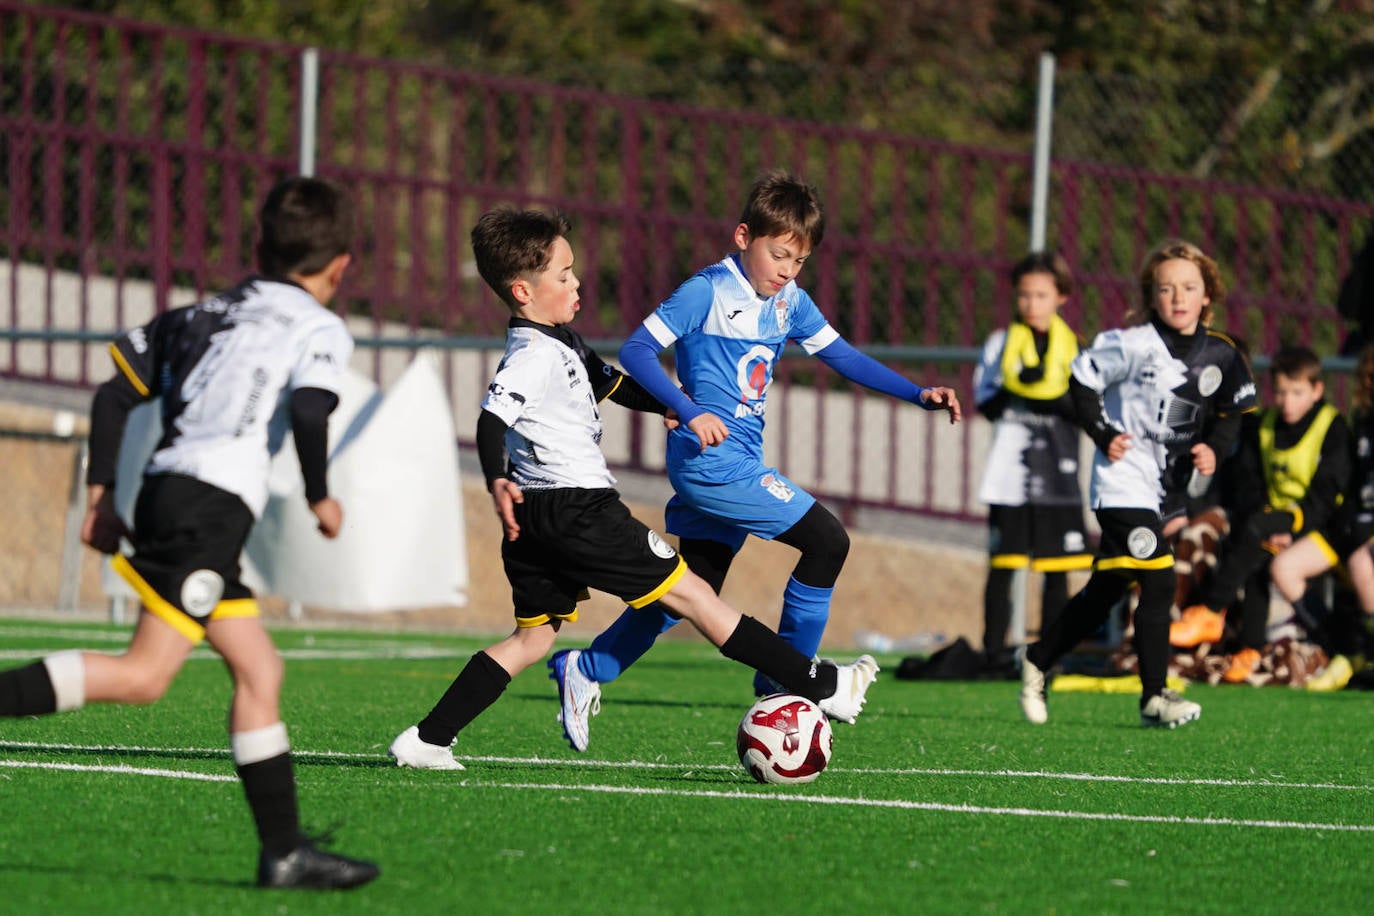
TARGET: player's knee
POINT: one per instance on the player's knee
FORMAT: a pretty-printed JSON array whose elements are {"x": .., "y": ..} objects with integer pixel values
[
  {"x": 1157, "y": 587},
  {"x": 145, "y": 685},
  {"x": 823, "y": 559}
]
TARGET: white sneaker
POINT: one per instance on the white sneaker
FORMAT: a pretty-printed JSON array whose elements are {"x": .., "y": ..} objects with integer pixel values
[
  {"x": 851, "y": 686},
  {"x": 1168, "y": 710},
  {"x": 1032, "y": 690},
  {"x": 410, "y": 751},
  {"x": 578, "y": 695}
]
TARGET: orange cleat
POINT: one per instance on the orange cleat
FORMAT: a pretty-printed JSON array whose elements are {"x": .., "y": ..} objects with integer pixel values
[
  {"x": 1198, "y": 624},
  {"x": 1243, "y": 664}
]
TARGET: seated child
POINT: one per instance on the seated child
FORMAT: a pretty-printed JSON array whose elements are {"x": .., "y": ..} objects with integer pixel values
[{"x": 1303, "y": 449}]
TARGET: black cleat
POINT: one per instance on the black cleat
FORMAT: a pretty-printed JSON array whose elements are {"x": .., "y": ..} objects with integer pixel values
[{"x": 308, "y": 867}]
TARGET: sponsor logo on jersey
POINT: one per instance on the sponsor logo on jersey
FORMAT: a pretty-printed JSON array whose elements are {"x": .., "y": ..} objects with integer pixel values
[
  {"x": 1208, "y": 381},
  {"x": 1141, "y": 543},
  {"x": 660, "y": 547},
  {"x": 201, "y": 591},
  {"x": 1243, "y": 392},
  {"x": 753, "y": 373},
  {"x": 777, "y": 488}
]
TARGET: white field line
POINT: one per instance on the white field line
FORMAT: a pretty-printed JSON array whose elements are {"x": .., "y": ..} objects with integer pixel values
[
  {"x": 931, "y": 806},
  {"x": 128, "y": 771},
  {"x": 582, "y": 762}
]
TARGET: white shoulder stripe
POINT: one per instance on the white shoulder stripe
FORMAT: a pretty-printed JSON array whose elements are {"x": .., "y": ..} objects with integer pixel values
[
  {"x": 820, "y": 340},
  {"x": 660, "y": 331}
]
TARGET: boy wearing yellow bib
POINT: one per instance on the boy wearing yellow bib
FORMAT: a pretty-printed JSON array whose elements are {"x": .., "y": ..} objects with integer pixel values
[{"x": 1303, "y": 447}]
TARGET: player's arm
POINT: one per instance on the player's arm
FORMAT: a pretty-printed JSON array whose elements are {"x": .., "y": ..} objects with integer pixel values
[
  {"x": 609, "y": 383},
  {"x": 1087, "y": 409},
  {"x": 102, "y": 527},
  {"x": 639, "y": 356},
  {"x": 491, "y": 454},
  {"x": 135, "y": 356},
  {"x": 859, "y": 367},
  {"x": 310, "y": 409}
]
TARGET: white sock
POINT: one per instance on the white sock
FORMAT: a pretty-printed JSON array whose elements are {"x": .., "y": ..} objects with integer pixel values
[
  {"x": 67, "y": 672},
  {"x": 260, "y": 744}
]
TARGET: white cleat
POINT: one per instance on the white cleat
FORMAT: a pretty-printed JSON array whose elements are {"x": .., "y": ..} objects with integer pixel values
[
  {"x": 851, "y": 688},
  {"x": 1168, "y": 710},
  {"x": 579, "y": 698},
  {"x": 1032, "y": 690},
  {"x": 410, "y": 751}
]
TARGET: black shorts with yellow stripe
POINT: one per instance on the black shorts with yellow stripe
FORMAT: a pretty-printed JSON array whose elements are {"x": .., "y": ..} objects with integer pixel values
[
  {"x": 1042, "y": 538},
  {"x": 1132, "y": 540},
  {"x": 573, "y": 539},
  {"x": 188, "y": 536}
]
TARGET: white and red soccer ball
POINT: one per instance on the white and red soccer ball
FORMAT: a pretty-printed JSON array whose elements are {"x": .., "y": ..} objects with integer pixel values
[{"x": 784, "y": 739}]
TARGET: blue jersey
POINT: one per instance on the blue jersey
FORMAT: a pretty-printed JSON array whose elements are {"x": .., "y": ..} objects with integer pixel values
[{"x": 727, "y": 341}]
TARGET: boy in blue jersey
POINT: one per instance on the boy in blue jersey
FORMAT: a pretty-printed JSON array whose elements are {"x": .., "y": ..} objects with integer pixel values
[{"x": 728, "y": 325}]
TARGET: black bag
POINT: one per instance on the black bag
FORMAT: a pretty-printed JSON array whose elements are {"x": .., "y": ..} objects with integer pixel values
[{"x": 957, "y": 661}]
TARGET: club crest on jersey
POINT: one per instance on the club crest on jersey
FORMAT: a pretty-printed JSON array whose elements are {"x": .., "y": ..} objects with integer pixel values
[
  {"x": 201, "y": 591},
  {"x": 1209, "y": 381},
  {"x": 780, "y": 310},
  {"x": 1141, "y": 543},
  {"x": 660, "y": 547},
  {"x": 777, "y": 488}
]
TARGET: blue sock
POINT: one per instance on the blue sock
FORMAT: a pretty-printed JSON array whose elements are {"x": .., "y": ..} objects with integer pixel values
[
  {"x": 805, "y": 612},
  {"x": 623, "y": 642}
]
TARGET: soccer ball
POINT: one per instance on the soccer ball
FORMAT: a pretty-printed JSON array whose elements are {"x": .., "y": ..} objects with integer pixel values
[{"x": 784, "y": 739}]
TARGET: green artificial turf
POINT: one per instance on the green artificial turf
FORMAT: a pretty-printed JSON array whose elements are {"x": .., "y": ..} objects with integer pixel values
[{"x": 940, "y": 800}]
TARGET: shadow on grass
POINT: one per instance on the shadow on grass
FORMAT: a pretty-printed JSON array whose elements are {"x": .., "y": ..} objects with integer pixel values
[{"x": 85, "y": 872}]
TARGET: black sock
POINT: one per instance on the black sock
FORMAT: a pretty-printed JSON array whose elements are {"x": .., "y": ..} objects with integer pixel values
[
  {"x": 760, "y": 648},
  {"x": 271, "y": 789},
  {"x": 476, "y": 687},
  {"x": 27, "y": 691}
]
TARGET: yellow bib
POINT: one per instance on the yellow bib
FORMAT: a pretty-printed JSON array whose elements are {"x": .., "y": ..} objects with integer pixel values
[
  {"x": 1288, "y": 472},
  {"x": 1019, "y": 351}
]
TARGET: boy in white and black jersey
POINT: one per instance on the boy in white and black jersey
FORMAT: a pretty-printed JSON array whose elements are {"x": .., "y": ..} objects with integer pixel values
[
  {"x": 1162, "y": 400},
  {"x": 566, "y": 529},
  {"x": 234, "y": 373}
]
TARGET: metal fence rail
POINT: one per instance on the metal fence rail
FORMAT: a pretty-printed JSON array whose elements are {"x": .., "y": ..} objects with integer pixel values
[{"x": 133, "y": 157}]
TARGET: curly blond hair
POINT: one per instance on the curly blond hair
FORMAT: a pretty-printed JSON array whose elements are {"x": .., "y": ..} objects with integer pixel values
[{"x": 1177, "y": 249}]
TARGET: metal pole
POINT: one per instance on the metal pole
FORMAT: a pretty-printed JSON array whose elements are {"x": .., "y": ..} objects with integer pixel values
[
  {"x": 69, "y": 588},
  {"x": 310, "y": 88},
  {"x": 1040, "y": 178}
]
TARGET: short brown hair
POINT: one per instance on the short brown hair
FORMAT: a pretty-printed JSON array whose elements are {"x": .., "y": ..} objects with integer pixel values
[
  {"x": 1049, "y": 262},
  {"x": 1297, "y": 363},
  {"x": 304, "y": 224},
  {"x": 508, "y": 244},
  {"x": 1169, "y": 250},
  {"x": 780, "y": 204}
]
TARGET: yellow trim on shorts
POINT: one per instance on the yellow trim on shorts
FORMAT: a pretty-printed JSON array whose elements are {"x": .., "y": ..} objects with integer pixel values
[
  {"x": 156, "y": 605},
  {"x": 1009, "y": 561},
  {"x": 1331, "y": 556},
  {"x": 166, "y": 611},
  {"x": 128, "y": 371},
  {"x": 235, "y": 607},
  {"x": 1063, "y": 564},
  {"x": 527, "y": 623},
  {"x": 664, "y": 587},
  {"x": 1164, "y": 562}
]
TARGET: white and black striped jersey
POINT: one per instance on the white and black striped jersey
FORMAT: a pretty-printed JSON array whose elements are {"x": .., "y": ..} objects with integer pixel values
[
  {"x": 1166, "y": 405},
  {"x": 546, "y": 390},
  {"x": 224, "y": 369}
]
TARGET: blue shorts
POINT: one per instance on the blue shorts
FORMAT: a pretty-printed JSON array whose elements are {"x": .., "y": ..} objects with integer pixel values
[{"x": 760, "y": 501}]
